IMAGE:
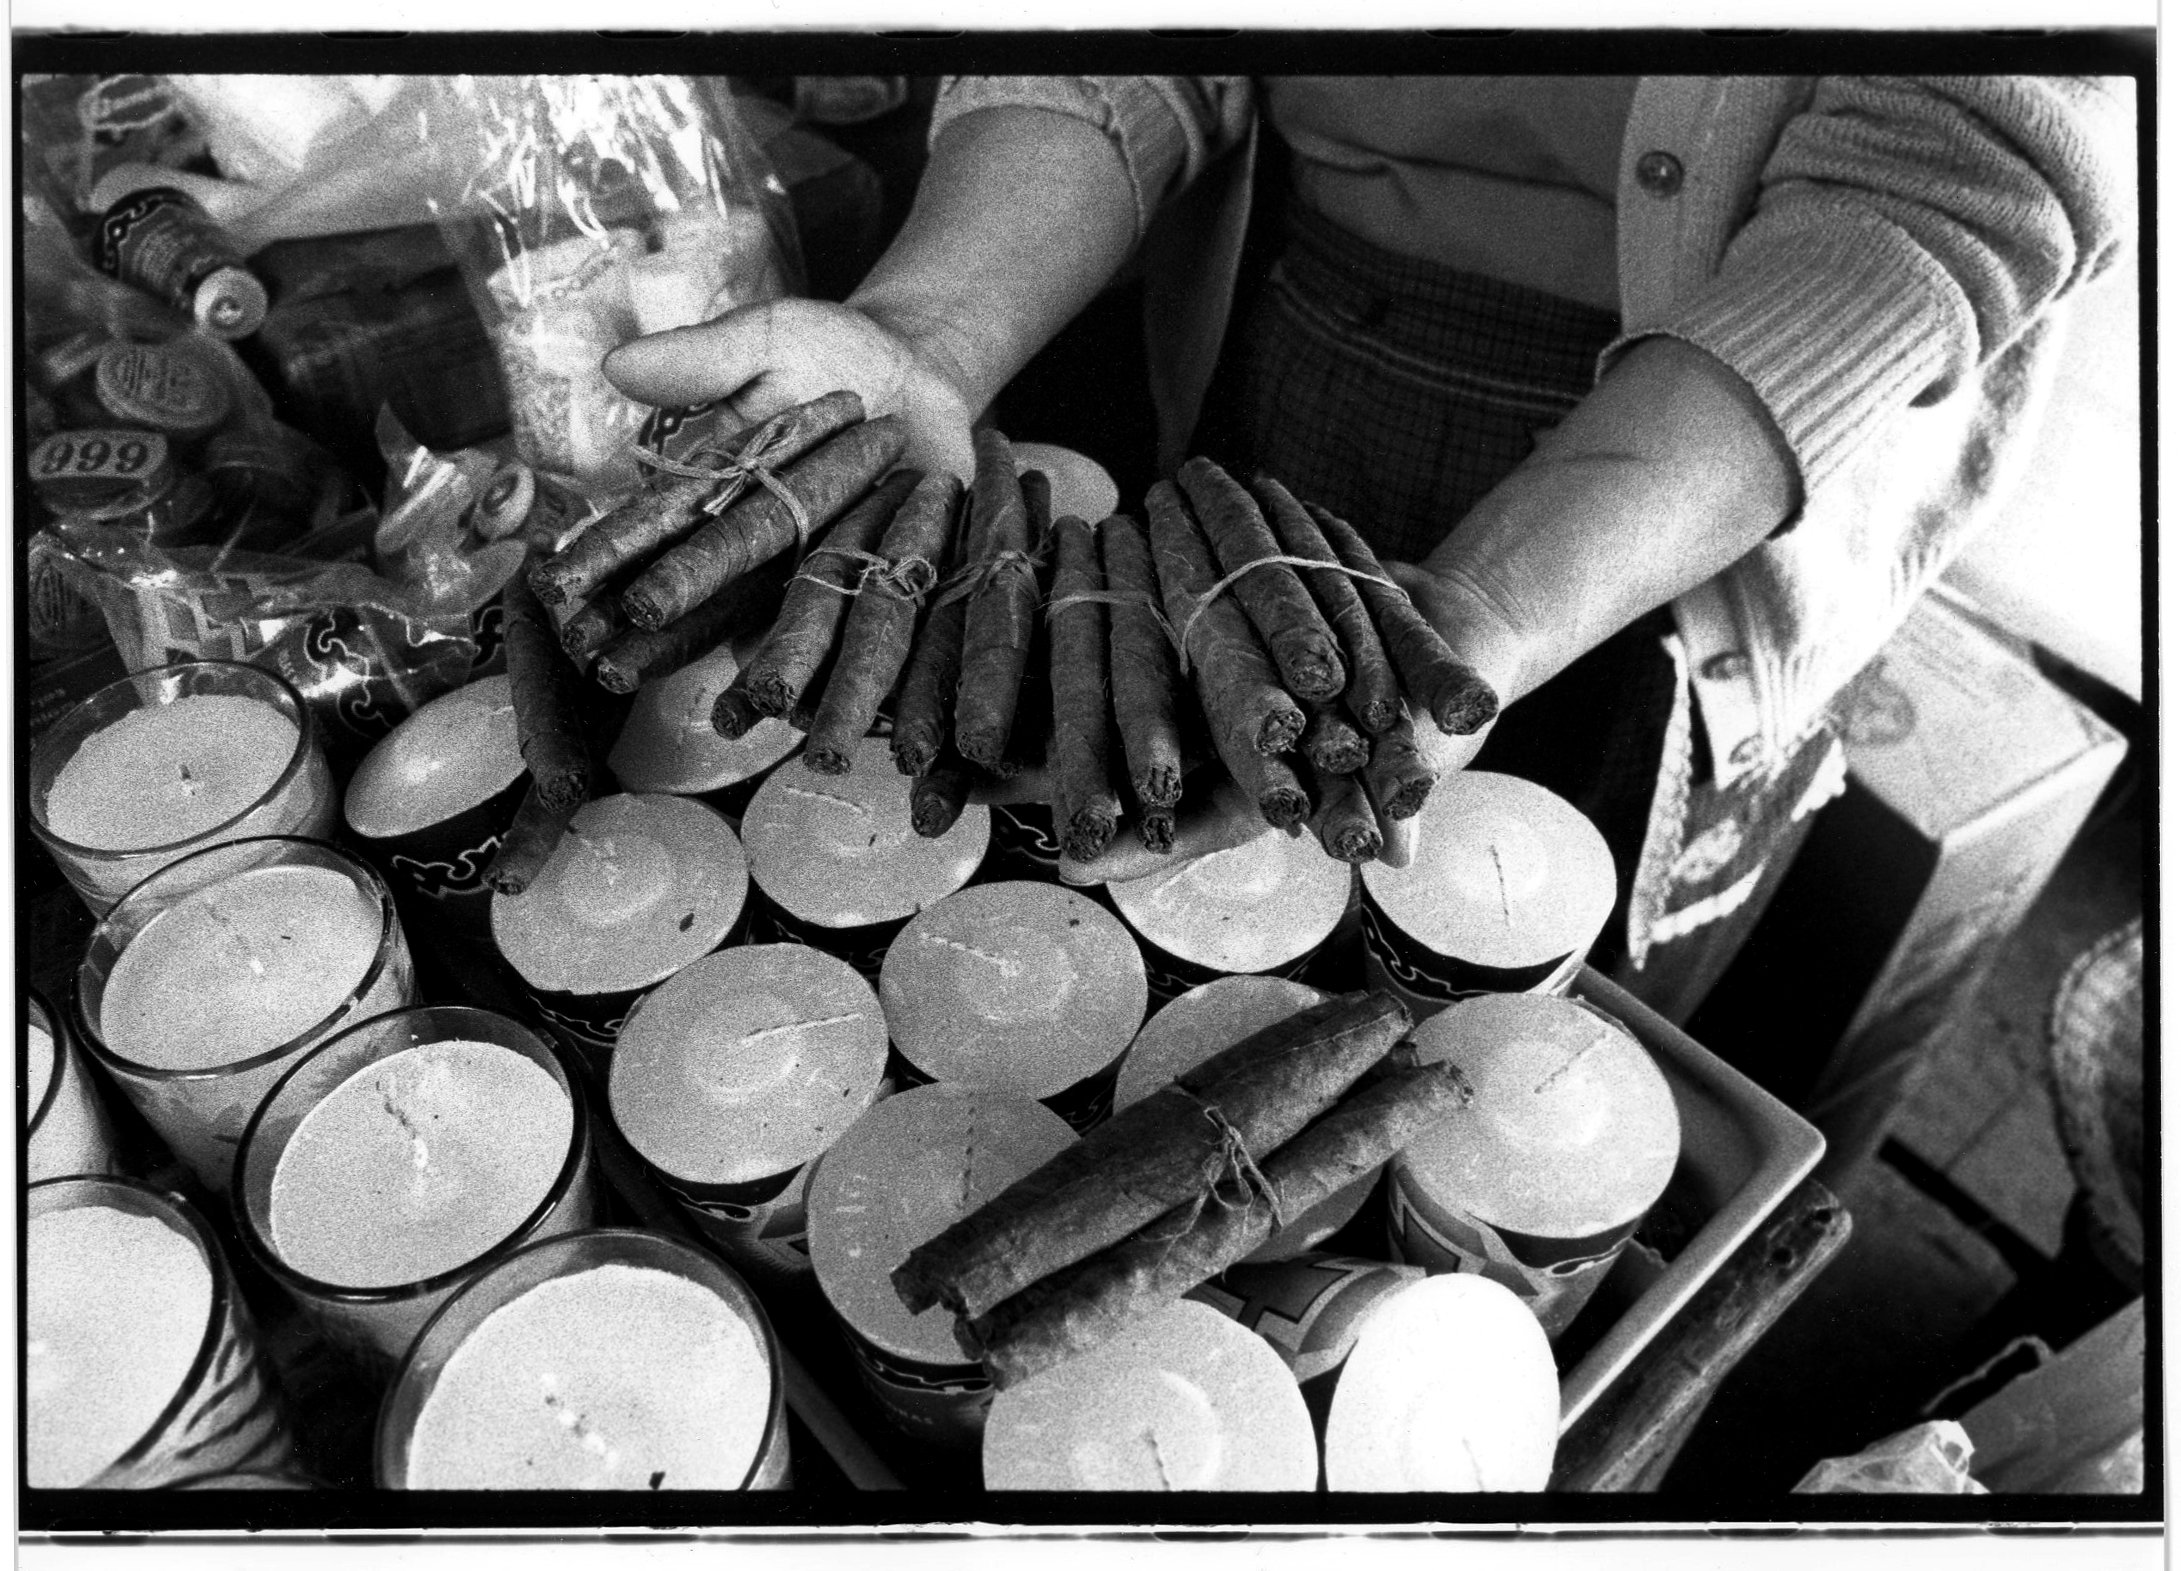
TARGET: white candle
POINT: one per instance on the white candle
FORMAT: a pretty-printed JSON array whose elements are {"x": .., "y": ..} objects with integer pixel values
[
  {"x": 619, "y": 1377},
  {"x": 1081, "y": 487},
  {"x": 457, "y": 751},
  {"x": 747, "y": 1063},
  {"x": 117, "y": 1308},
  {"x": 1250, "y": 907},
  {"x": 418, "y": 1164},
  {"x": 1020, "y": 986},
  {"x": 839, "y": 850},
  {"x": 1451, "y": 1387},
  {"x": 239, "y": 968},
  {"x": 169, "y": 773},
  {"x": 1185, "y": 1399},
  {"x": 638, "y": 887},
  {"x": 668, "y": 744}
]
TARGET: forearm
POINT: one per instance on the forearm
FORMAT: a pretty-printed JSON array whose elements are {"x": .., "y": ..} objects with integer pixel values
[
  {"x": 1022, "y": 216},
  {"x": 1664, "y": 476}
]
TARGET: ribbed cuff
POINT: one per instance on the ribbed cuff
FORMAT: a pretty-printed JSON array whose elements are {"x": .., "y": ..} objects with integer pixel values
[{"x": 1836, "y": 328}]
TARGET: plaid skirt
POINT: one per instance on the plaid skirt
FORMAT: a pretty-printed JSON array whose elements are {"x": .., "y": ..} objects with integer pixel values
[{"x": 1397, "y": 392}]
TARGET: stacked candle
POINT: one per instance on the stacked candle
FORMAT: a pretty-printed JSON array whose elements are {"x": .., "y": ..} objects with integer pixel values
[
  {"x": 912, "y": 1166},
  {"x": 668, "y": 742},
  {"x": 168, "y": 762},
  {"x": 638, "y": 887},
  {"x": 139, "y": 1368},
  {"x": 1507, "y": 890},
  {"x": 839, "y": 862},
  {"x": 1019, "y": 986},
  {"x": 1263, "y": 906},
  {"x": 1184, "y": 1399},
  {"x": 401, "y": 1156},
  {"x": 734, "y": 1076},
  {"x": 218, "y": 972},
  {"x": 68, "y": 1129}
]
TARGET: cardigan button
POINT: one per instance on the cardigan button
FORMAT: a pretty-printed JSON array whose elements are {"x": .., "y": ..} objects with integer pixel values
[
  {"x": 1729, "y": 666},
  {"x": 1659, "y": 173}
]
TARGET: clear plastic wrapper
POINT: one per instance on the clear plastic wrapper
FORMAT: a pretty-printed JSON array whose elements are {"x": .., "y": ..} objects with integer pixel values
[{"x": 1930, "y": 1459}]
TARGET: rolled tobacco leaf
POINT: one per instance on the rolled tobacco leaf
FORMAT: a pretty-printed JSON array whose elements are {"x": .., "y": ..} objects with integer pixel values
[
  {"x": 882, "y": 621},
  {"x": 1165, "y": 1151},
  {"x": 1398, "y": 776},
  {"x": 1332, "y": 744},
  {"x": 1085, "y": 807},
  {"x": 1002, "y": 615},
  {"x": 1374, "y": 691},
  {"x": 1458, "y": 700},
  {"x": 545, "y": 687},
  {"x": 637, "y": 654},
  {"x": 1277, "y": 790},
  {"x": 924, "y": 708},
  {"x": 816, "y": 602},
  {"x": 939, "y": 794},
  {"x": 1344, "y": 822},
  {"x": 528, "y": 843},
  {"x": 762, "y": 525},
  {"x": 1278, "y": 606},
  {"x": 734, "y": 715},
  {"x": 1086, "y": 1304},
  {"x": 1140, "y": 664},
  {"x": 666, "y": 510}
]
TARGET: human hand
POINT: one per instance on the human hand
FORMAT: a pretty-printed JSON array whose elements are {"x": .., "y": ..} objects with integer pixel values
[{"x": 761, "y": 359}]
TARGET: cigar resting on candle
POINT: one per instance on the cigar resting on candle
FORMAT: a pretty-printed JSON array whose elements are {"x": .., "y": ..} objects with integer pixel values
[
  {"x": 1344, "y": 822},
  {"x": 1233, "y": 1109},
  {"x": 1085, "y": 806},
  {"x": 528, "y": 844},
  {"x": 940, "y": 793},
  {"x": 1374, "y": 692},
  {"x": 1398, "y": 776},
  {"x": 1008, "y": 517},
  {"x": 1145, "y": 679},
  {"x": 543, "y": 684},
  {"x": 1088, "y": 1303}
]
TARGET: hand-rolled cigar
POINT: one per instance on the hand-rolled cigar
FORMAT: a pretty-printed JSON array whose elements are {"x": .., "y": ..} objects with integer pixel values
[
  {"x": 1278, "y": 606},
  {"x": 1458, "y": 700},
  {"x": 528, "y": 843},
  {"x": 816, "y": 602},
  {"x": 1002, "y": 616},
  {"x": 1398, "y": 776},
  {"x": 1166, "y": 1150},
  {"x": 1140, "y": 664},
  {"x": 1374, "y": 691},
  {"x": 1249, "y": 712},
  {"x": 1332, "y": 743},
  {"x": 940, "y": 793},
  {"x": 588, "y": 626},
  {"x": 543, "y": 684},
  {"x": 1344, "y": 822},
  {"x": 1085, "y": 807},
  {"x": 636, "y": 654},
  {"x": 1276, "y": 789},
  {"x": 734, "y": 714},
  {"x": 761, "y": 526},
  {"x": 882, "y": 621},
  {"x": 665, "y": 511},
  {"x": 924, "y": 708},
  {"x": 1085, "y": 1304}
]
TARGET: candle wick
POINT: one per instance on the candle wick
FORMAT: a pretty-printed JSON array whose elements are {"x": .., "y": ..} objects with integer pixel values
[
  {"x": 1506, "y": 910},
  {"x": 190, "y": 787},
  {"x": 1158, "y": 1456},
  {"x": 227, "y": 930},
  {"x": 1573, "y": 1058},
  {"x": 420, "y": 1155},
  {"x": 1008, "y": 965},
  {"x": 828, "y": 796},
  {"x": 797, "y": 1025}
]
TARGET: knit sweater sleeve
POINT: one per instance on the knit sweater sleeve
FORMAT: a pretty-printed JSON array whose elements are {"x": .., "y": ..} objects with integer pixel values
[
  {"x": 1165, "y": 128},
  {"x": 1906, "y": 231}
]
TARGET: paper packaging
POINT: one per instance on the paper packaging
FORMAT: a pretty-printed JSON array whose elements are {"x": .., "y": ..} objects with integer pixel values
[{"x": 1968, "y": 775}]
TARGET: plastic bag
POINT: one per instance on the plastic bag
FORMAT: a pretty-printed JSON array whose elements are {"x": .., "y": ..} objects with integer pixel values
[
  {"x": 1931, "y": 1459},
  {"x": 598, "y": 209}
]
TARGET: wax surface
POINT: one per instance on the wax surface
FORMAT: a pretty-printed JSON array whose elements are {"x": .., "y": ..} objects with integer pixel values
[
  {"x": 619, "y": 1377},
  {"x": 1451, "y": 1387},
  {"x": 1572, "y": 1130},
  {"x": 1022, "y": 986},
  {"x": 239, "y": 968},
  {"x": 668, "y": 744},
  {"x": 1184, "y": 1399},
  {"x": 1246, "y": 908},
  {"x": 418, "y": 1164},
  {"x": 910, "y": 1167},
  {"x": 168, "y": 773},
  {"x": 117, "y": 1309},
  {"x": 455, "y": 752},
  {"x": 747, "y": 1063},
  {"x": 1203, "y": 1021},
  {"x": 1505, "y": 874},
  {"x": 639, "y": 886},
  {"x": 41, "y": 1065},
  {"x": 839, "y": 850}
]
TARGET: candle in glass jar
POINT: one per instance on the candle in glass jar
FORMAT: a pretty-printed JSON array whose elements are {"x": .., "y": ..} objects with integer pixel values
[
  {"x": 117, "y": 1307},
  {"x": 418, "y": 1164},
  {"x": 168, "y": 773},
  {"x": 1184, "y": 1399},
  {"x": 41, "y": 1063},
  {"x": 618, "y": 1377}
]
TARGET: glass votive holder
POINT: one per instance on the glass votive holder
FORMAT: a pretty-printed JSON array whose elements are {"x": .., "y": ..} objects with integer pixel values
[
  {"x": 143, "y": 1367},
  {"x": 216, "y": 973},
  {"x": 169, "y": 761},
  {"x": 405, "y": 1156},
  {"x": 68, "y": 1131},
  {"x": 656, "y": 1365}
]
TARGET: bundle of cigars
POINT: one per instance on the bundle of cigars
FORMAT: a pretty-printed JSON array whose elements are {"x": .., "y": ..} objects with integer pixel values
[{"x": 1237, "y": 624}]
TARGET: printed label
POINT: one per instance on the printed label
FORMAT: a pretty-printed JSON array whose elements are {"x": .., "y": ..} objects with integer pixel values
[
  {"x": 941, "y": 1402},
  {"x": 1444, "y": 1238}
]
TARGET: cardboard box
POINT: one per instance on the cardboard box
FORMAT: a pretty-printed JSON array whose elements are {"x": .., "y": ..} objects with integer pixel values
[{"x": 1969, "y": 774}]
